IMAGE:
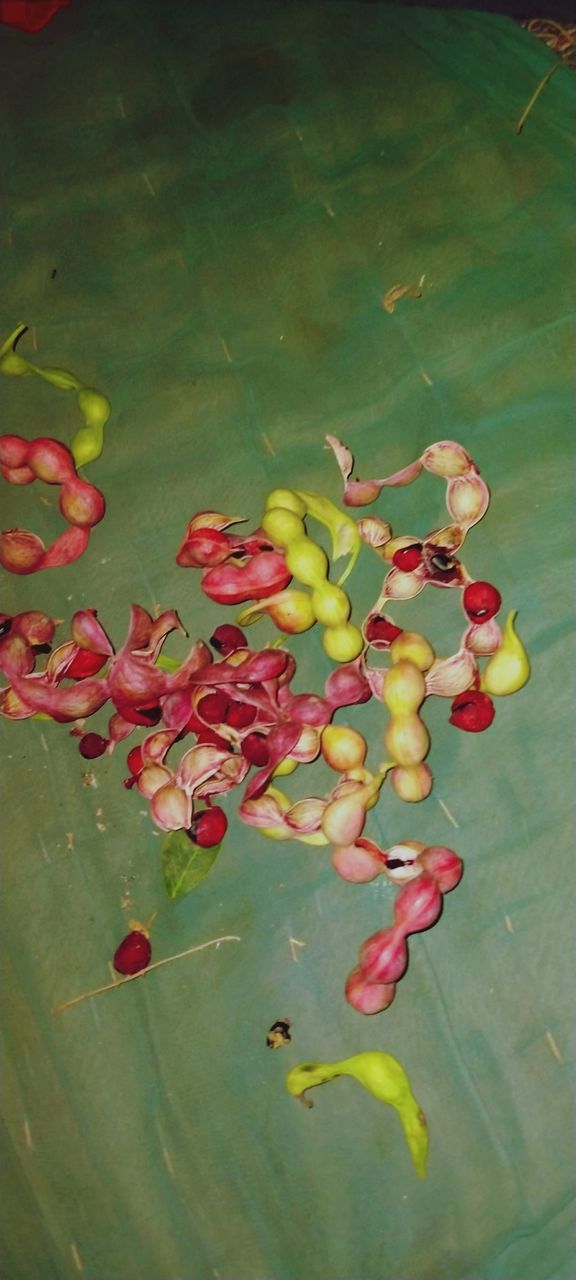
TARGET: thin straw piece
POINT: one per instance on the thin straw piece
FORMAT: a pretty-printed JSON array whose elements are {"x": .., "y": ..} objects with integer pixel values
[{"x": 112, "y": 986}]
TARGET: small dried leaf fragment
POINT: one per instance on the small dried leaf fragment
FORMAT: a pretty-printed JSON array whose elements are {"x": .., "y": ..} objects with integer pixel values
[{"x": 400, "y": 291}]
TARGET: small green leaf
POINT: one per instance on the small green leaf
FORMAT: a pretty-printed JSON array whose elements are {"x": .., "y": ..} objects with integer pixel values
[{"x": 184, "y": 864}]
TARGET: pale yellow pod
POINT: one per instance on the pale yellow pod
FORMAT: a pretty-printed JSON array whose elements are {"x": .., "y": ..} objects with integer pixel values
[
  {"x": 404, "y": 688},
  {"x": 282, "y": 526},
  {"x": 287, "y": 499},
  {"x": 415, "y": 648},
  {"x": 307, "y": 562},
  {"x": 407, "y": 739},
  {"x": 411, "y": 784}
]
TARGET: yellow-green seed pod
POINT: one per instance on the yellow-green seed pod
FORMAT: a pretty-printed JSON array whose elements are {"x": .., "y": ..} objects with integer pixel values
[
  {"x": 331, "y": 605},
  {"x": 343, "y": 644},
  {"x": 287, "y": 499},
  {"x": 282, "y": 526},
  {"x": 307, "y": 562}
]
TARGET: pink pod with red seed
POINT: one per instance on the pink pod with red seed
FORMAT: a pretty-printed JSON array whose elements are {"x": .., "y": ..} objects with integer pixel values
[{"x": 81, "y": 503}]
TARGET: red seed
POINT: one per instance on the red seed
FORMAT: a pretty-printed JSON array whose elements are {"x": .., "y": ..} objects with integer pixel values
[
  {"x": 408, "y": 558},
  {"x": 255, "y": 749},
  {"x": 381, "y": 629},
  {"x": 92, "y": 745},
  {"x": 85, "y": 663},
  {"x": 134, "y": 760},
  {"x": 227, "y": 639},
  {"x": 472, "y": 711},
  {"x": 133, "y": 954},
  {"x": 139, "y": 715},
  {"x": 481, "y": 601},
  {"x": 240, "y": 715},
  {"x": 209, "y": 827},
  {"x": 208, "y": 735},
  {"x": 213, "y": 707}
]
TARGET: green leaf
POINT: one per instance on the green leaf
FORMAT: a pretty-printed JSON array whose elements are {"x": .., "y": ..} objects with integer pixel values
[{"x": 184, "y": 864}]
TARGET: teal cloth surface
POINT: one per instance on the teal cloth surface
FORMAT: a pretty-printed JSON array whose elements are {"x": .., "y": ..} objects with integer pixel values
[{"x": 225, "y": 192}]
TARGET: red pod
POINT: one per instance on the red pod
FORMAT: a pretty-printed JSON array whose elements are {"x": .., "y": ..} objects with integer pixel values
[
  {"x": 68, "y": 546},
  {"x": 240, "y": 715},
  {"x": 50, "y": 461},
  {"x": 263, "y": 576},
  {"x": 481, "y": 601},
  {"x": 418, "y": 904},
  {"x": 443, "y": 865},
  {"x": 384, "y": 956},
  {"x": 368, "y": 997},
  {"x": 20, "y": 551},
  {"x": 81, "y": 503},
  {"x": 133, "y": 954},
  {"x": 13, "y": 451},
  {"x": 18, "y": 475}
]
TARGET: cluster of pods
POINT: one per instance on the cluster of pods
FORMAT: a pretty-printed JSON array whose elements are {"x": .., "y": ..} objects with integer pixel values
[{"x": 237, "y": 704}]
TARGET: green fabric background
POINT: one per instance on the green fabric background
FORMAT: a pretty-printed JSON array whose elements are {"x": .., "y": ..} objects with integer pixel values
[{"x": 225, "y": 192}]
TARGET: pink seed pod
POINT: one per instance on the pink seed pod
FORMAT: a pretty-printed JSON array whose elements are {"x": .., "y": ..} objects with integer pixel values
[
  {"x": 18, "y": 475},
  {"x": 68, "y": 546},
  {"x": 443, "y": 865},
  {"x": 368, "y": 997},
  {"x": 80, "y": 503},
  {"x": 50, "y": 461},
  {"x": 359, "y": 863},
  {"x": 418, "y": 905},
  {"x": 384, "y": 956},
  {"x": 20, "y": 551},
  {"x": 13, "y": 451},
  {"x": 467, "y": 499}
]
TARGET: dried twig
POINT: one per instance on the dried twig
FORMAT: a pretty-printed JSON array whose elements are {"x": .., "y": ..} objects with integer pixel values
[
  {"x": 112, "y": 986},
  {"x": 535, "y": 96}
]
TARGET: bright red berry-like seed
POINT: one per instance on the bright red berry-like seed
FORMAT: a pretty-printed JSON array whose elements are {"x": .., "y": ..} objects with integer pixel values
[
  {"x": 140, "y": 715},
  {"x": 133, "y": 954},
  {"x": 408, "y": 558},
  {"x": 227, "y": 639},
  {"x": 472, "y": 711},
  {"x": 209, "y": 827},
  {"x": 481, "y": 601},
  {"x": 85, "y": 663},
  {"x": 92, "y": 745},
  {"x": 381, "y": 629},
  {"x": 255, "y": 749},
  {"x": 134, "y": 760},
  {"x": 240, "y": 715},
  {"x": 213, "y": 707}
]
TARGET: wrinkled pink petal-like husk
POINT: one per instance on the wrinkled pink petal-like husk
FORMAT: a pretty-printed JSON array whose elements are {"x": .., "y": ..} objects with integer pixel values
[
  {"x": 212, "y": 520},
  {"x": 375, "y": 677},
  {"x": 198, "y": 764},
  {"x": 262, "y": 811},
  {"x": 448, "y": 539},
  {"x": 344, "y": 819},
  {"x": 259, "y": 667},
  {"x": 307, "y": 747},
  {"x": 59, "y": 661},
  {"x": 418, "y": 905},
  {"x": 198, "y": 658},
  {"x": 359, "y": 493},
  {"x": 13, "y": 707},
  {"x": 63, "y": 705},
  {"x": 447, "y": 458},
  {"x": 443, "y": 865},
  {"x": 87, "y": 632},
  {"x": 348, "y": 685},
  {"x": 374, "y": 531},
  {"x": 384, "y": 956},
  {"x": 265, "y": 574},
  {"x": 306, "y": 815},
  {"x": 398, "y": 585},
  {"x": 204, "y": 549},
  {"x": 67, "y": 547},
  {"x": 231, "y": 773},
  {"x": 139, "y": 630},
  {"x": 151, "y": 778},
  {"x": 161, "y": 627},
  {"x": 308, "y": 709},
  {"x": 34, "y": 626},
  {"x": 467, "y": 499},
  {"x": 368, "y": 997},
  {"x": 16, "y": 655},
  {"x": 360, "y": 862},
  {"x": 281, "y": 741},
  {"x": 157, "y": 745},
  {"x": 171, "y": 808},
  {"x": 453, "y": 675},
  {"x": 134, "y": 681},
  {"x": 119, "y": 729},
  {"x": 177, "y": 709},
  {"x": 483, "y": 638}
]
